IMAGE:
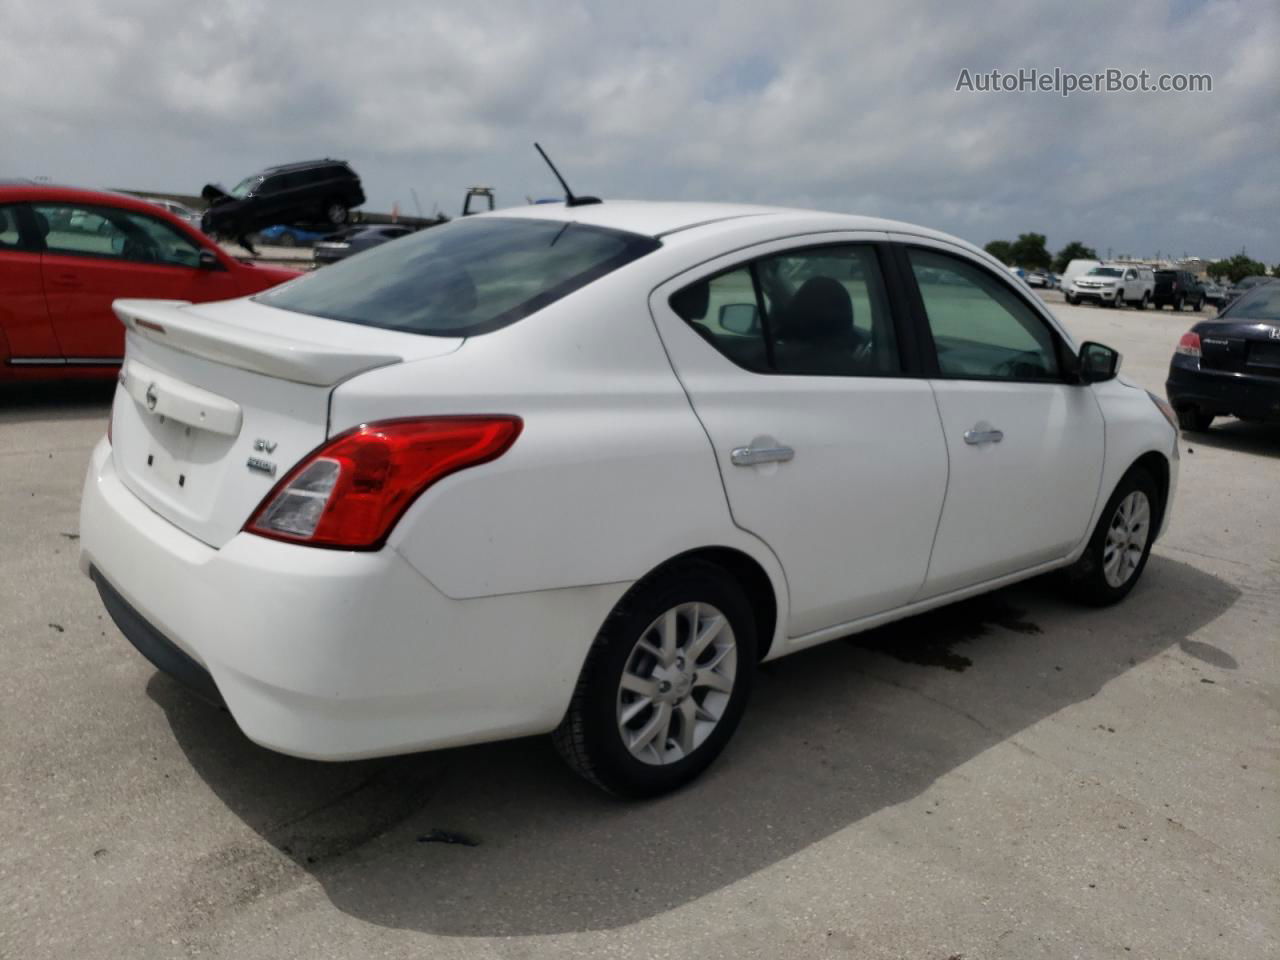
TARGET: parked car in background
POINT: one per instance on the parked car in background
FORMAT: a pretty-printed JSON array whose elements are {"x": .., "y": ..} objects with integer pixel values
[
  {"x": 315, "y": 192},
  {"x": 1214, "y": 292},
  {"x": 545, "y": 470},
  {"x": 1113, "y": 285},
  {"x": 179, "y": 210},
  {"x": 66, "y": 254},
  {"x": 339, "y": 246},
  {"x": 1177, "y": 288},
  {"x": 1243, "y": 285},
  {"x": 1230, "y": 365},
  {"x": 290, "y": 236},
  {"x": 1038, "y": 279},
  {"x": 1076, "y": 268}
]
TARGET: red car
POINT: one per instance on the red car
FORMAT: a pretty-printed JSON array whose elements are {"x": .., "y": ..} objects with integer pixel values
[{"x": 66, "y": 254}]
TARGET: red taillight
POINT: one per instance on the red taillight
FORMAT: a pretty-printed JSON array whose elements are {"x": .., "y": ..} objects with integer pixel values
[
  {"x": 350, "y": 492},
  {"x": 1189, "y": 345}
]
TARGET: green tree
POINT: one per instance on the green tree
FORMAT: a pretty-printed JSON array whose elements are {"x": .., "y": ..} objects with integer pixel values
[
  {"x": 1000, "y": 249},
  {"x": 1029, "y": 251},
  {"x": 1237, "y": 267},
  {"x": 1075, "y": 250}
]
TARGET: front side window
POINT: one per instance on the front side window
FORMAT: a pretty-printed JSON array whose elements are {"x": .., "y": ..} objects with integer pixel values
[
  {"x": 819, "y": 311},
  {"x": 115, "y": 234},
  {"x": 152, "y": 241},
  {"x": 463, "y": 278},
  {"x": 981, "y": 328}
]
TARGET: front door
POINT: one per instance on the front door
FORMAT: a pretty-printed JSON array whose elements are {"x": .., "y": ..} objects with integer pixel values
[
  {"x": 829, "y": 452},
  {"x": 1025, "y": 446},
  {"x": 96, "y": 254}
]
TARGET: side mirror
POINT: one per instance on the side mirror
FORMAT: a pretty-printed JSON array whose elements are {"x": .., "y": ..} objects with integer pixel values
[
  {"x": 1098, "y": 362},
  {"x": 208, "y": 261},
  {"x": 739, "y": 317}
]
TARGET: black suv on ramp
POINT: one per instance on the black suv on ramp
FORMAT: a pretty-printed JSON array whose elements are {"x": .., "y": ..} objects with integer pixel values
[{"x": 315, "y": 192}]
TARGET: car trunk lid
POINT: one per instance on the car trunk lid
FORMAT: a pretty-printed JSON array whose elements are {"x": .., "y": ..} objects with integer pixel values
[{"x": 217, "y": 402}]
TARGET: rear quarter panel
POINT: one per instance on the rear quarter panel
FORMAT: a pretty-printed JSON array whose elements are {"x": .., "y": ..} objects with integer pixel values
[{"x": 611, "y": 476}]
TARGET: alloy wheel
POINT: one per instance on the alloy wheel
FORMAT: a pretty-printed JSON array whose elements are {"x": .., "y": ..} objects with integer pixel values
[
  {"x": 677, "y": 683},
  {"x": 1126, "y": 538}
]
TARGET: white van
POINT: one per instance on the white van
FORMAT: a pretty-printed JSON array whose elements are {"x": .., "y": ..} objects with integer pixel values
[{"x": 1076, "y": 268}]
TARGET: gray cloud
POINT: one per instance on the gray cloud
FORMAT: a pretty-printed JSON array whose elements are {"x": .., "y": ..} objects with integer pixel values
[{"x": 815, "y": 104}]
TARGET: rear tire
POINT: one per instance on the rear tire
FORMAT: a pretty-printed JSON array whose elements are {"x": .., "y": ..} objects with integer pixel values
[
  {"x": 287, "y": 239},
  {"x": 645, "y": 718},
  {"x": 1194, "y": 420},
  {"x": 1199, "y": 305},
  {"x": 1121, "y": 543},
  {"x": 1144, "y": 302},
  {"x": 336, "y": 213},
  {"x": 1177, "y": 304}
]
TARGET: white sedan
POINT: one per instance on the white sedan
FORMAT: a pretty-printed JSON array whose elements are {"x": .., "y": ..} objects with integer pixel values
[{"x": 580, "y": 468}]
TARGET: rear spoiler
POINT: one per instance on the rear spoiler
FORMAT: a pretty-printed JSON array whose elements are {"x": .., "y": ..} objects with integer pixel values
[{"x": 285, "y": 358}]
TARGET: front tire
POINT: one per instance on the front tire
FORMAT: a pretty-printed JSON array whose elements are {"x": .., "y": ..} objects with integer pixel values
[
  {"x": 1071, "y": 300},
  {"x": 1121, "y": 543},
  {"x": 664, "y": 685}
]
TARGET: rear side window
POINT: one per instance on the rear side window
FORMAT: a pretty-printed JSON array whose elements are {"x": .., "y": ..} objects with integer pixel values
[
  {"x": 817, "y": 311},
  {"x": 463, "y": 278},
  {"x": 10, "y": 239}
]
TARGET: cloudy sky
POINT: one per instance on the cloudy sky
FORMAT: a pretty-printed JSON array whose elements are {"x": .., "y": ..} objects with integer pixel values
[{"x": 843, "y": 106}]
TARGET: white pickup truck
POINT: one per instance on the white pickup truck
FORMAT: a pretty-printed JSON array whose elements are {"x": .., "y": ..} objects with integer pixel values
[{"x": 1114, "y": 284}]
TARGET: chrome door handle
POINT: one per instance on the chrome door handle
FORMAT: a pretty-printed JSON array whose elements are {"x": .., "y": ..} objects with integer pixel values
[
  {"x": 749, "y": 456},
  {"x": 987, "y": 435}
]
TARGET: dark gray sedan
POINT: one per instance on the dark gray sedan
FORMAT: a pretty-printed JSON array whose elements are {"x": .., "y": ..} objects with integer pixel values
[{"x": 344, "y": 243}]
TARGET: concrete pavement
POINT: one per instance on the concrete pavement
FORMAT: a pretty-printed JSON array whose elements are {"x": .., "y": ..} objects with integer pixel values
[{"x": 1011, "y": 778}]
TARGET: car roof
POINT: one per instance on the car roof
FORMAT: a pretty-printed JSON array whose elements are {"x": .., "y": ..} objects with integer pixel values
[
  {"x": 47, "y": 193},
  {"x": 50, "y": 193},
  {"x": 302, "y": 165},
  {"x": 654, "y": 218}
]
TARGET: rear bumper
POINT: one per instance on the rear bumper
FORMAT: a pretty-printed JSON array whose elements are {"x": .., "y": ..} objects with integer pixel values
[
  {"x": 1222, "y": 392},
  {"x": 327, "y": 654}
]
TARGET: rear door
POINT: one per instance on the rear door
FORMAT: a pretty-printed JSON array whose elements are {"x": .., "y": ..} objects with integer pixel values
[
  {"x": 829, "y": 447},
  {"x": 24, "y": 316},
  {"x": 1025, "y": 447},
  {"x": 97, "y": 254}
]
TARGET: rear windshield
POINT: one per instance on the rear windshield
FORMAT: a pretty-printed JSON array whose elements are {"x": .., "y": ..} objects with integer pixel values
[
  {"x": 1260, "y": 303},
  {"x": 462, "y": 278}
]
